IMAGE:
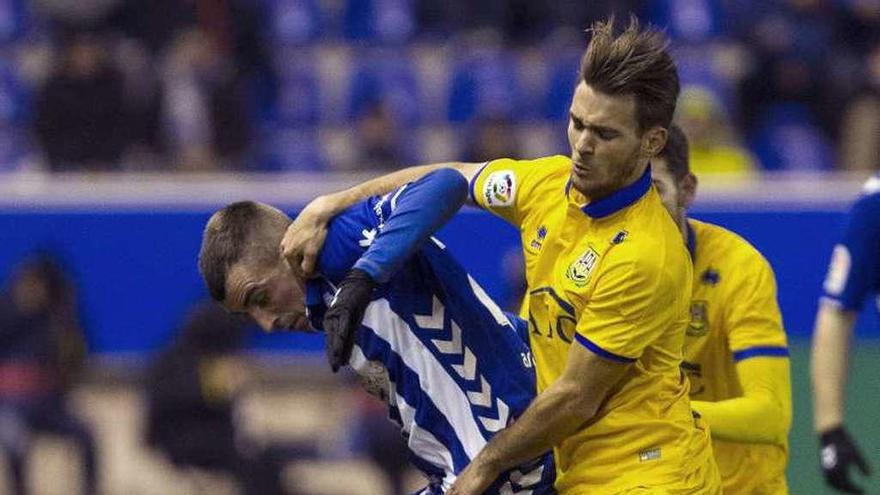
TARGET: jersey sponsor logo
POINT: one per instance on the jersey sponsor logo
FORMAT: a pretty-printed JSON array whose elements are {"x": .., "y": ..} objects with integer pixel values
[
  {"x": 699, "y": 324},
  {"x": 369, "y": 237},
  {"x": 710, "y": 276},
  {"x": 579, "y": 272},
  {"x": 649, "y": 455},
  {"x": 500, "y": 188},
  {"x": 540, "y": 235},
  {"x": 838, "y": 270},
  {"x": 619, "y": 237}
]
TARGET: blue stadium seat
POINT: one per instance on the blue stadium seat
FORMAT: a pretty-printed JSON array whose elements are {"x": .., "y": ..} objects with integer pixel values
[
  {"x": 379, "y": 20},
  {"x": 295, "y": 22},
  {"x": 689, "y": 21},
  {"x": 293, "y": 149},
  {"x": 562, "y": 77},
  {"x": 386, "y": 76},
  {"x": 13, "y": 20},
  {"x": 299, "y": 91},
  {"x": 787, "y": 139},
  {"x": 485, "y": 85}
]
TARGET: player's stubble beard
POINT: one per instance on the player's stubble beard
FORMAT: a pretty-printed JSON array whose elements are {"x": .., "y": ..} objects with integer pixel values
[{"x": 614, "y": 176}]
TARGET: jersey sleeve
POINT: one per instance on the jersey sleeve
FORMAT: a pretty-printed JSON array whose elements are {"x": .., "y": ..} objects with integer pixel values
[
  {"x": 855, "y": 264},
  {"x": 504, "y": 186},
  {"x": 632, "y": 305},
  {"x": 752, "y": 318},
  {"x": 409, "y": 217}
]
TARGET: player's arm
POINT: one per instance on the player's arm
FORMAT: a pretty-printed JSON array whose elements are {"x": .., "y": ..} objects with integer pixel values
[
  {"x": 831, "y": 342},
  {"x": 408, "y": 224},
  {"x": 304, "y": 238},
  {"x": 555, "y": 414},
  {"x": 754, "y": 331},
  {"x": 847, "y": 284},
  {"x": 763, "y": 413}
]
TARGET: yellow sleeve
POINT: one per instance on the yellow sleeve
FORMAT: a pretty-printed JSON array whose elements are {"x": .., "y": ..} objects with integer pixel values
[
  {"x": 504, "y": 186},
  {"x": 763, "y": 413},
  {"x": 752, "y": 318},
  {"x": 633, "y": 303}
]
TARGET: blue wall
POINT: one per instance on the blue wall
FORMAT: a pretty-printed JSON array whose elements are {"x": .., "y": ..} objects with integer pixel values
[{"x": 137, "y": 272}]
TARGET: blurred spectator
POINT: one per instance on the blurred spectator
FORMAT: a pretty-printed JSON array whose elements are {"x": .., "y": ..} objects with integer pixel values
[
  {"x": 205, "y": 106},
  {"x": 378, "y": 439},
  {"x": 80, "y": 121},
  {"x": 193, "y": 388},
  {"x": 860, "y": 130},
  {"x": 41, "y": 350},
  {"x": 378, "y": 139},
  {"x": 492, "y": 138},
  {"x": 714, "y": 147}
]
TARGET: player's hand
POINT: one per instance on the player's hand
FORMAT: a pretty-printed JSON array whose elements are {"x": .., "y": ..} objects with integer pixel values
[
  {"x": 304, "y": 238},
  {"x": 838, "y": 453},
  {"x": 474, "y": 480},
  {"x": 345, "y": 314}
]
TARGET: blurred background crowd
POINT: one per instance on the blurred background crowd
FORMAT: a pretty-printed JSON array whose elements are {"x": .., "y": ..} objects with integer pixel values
[{"x": 327, "y": 85}]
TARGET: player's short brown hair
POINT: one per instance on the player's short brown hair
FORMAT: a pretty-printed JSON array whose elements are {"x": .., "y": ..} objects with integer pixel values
[
  {"x": 243, "y": 229},
  {"x": 676, "y": 153},
  {"x": 637, "y": 62}
]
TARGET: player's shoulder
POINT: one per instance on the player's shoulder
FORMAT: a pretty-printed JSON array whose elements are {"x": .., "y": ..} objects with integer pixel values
[
  {"x": 720, "y": 246},
  {"x": 549, "y": 165},
  {"x": 868, "y": 201}
]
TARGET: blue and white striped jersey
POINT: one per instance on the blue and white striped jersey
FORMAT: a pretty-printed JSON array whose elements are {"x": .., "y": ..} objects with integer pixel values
[
  {"x": 854, "y": 272},
  {"x": 437, "y": 349}
]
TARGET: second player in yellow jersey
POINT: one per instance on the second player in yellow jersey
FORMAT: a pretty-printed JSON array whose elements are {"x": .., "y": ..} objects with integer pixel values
[{"x": 735, "y": 351}]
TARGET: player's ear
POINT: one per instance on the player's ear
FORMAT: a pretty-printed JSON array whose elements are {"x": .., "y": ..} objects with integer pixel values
[
  {"x": 688, "y": 190},
  {"x": 653, "y": 141}
]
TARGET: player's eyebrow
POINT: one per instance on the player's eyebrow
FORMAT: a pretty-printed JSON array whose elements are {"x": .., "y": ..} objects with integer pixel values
[{"x": 595, "y": 127}]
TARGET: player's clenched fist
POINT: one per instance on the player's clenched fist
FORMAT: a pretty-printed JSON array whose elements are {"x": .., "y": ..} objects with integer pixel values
[{"x": 304, "y": 238}]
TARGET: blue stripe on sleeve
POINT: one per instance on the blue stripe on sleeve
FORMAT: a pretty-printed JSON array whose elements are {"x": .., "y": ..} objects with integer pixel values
[
  {"x": 589, "y": 344},
  {"x": 473, "y": 183},
  {"x": 760, "y": 351}
]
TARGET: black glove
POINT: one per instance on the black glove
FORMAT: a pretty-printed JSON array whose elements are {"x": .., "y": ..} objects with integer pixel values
[
  {"x": 838, "y": 452},
  {"x": 345, "y": 314}
]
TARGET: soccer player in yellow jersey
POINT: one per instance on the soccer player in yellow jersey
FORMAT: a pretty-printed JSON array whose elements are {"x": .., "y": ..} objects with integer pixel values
[
  {"x": 609, "y": 281},
  {"x": 735, "y": 351}
]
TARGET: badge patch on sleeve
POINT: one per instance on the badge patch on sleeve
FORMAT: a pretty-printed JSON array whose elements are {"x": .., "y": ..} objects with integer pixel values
[
  {"x": 838, "y": 271},
  {"x": 500, "y": 188},
  {"x": 579, "y": 271}
]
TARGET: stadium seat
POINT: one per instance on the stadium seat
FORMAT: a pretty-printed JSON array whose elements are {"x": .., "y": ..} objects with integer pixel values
[
  {"x": 379, "y": 20},
  {"x": 293, "y": 149},
  {"x": 484, "y": 84},
  {"x": 787, "y": 139},
  {"x": 385, "y": 75},
  {"x": 299, "y": 100},
  {"x": 295, "y": 22}
]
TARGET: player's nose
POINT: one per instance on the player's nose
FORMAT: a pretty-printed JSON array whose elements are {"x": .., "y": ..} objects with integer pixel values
[{"x": 264, "y": 320}]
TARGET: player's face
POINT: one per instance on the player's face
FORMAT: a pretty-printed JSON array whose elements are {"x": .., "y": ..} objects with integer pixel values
[
  {"x": 272, "y": 295},
  {"x": 607, "y": 150}
]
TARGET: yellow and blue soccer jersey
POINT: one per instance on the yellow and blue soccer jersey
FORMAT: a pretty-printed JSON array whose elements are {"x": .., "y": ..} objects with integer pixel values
[
  {"x": 734, "y": 316},
  {"x": 612, "y": 275}
]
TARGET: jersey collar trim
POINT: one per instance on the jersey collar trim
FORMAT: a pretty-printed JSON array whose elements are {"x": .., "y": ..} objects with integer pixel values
[
  {"x": 619, "y": 199},
  {"x": 691, "y": 241}
]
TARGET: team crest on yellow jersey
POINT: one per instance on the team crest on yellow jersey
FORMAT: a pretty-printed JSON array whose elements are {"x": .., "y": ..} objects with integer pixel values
[
  {"x": 579, "y": 271},
  {"x": 699, "y": 324}
]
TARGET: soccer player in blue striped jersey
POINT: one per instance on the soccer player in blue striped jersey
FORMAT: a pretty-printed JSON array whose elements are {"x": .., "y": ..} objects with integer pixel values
[
  {"x": 853, "y": 278},
  {"x": 453, "y": 368}
]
